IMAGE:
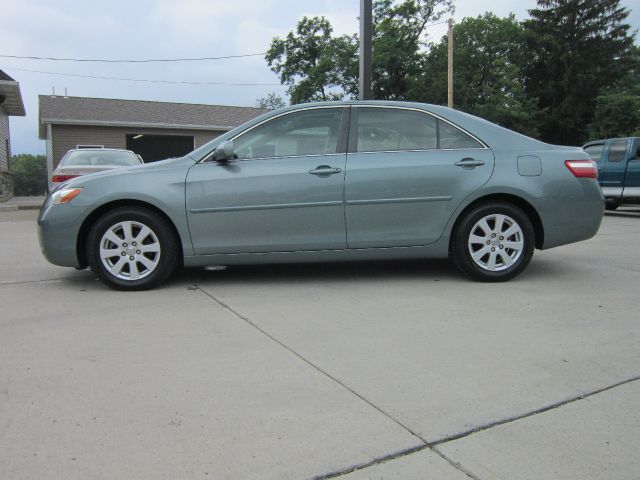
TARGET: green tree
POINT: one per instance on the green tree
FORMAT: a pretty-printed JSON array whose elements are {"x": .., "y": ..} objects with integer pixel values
[
  {"x": 577, "y": 48},
  {"x": 489, "y": 58},
  {"x": 617, "y": 114},
  {"x": 272, "y": 101},
  {"x": 310, "y": 60},
  {"x": 29, "y": 174},
  {"x": 399, "y": 33},
  {"x": 319, "y": 66}
]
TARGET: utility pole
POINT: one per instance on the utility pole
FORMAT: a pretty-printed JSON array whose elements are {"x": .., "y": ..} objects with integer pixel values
[
  {"x": 450, "y": 65},
  {"x": 365, "y": 49}
]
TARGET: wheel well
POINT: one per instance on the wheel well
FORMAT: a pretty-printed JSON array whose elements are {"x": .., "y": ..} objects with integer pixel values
[
  {"x": 101, "y": 210},
  {"x": 514, "y": 200}
]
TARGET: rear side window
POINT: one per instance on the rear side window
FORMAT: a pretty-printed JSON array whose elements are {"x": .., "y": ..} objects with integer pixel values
[
  {"x": 393, "y": 129},
  {"x": 595, "y": 151},
  {"x": 617, "y": 150},
  {"x": 385, "y": 129}
]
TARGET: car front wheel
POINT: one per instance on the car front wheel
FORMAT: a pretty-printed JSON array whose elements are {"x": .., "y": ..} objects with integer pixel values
[
  {"x": 493, "y": 242},
  {"x": 132, "y": 248}
]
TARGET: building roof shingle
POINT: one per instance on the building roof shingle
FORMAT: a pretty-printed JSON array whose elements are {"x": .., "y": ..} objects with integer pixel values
[{"x": 140, "y": 113}]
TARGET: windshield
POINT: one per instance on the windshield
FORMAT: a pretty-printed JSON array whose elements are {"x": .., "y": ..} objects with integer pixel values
[{"x": 100, "y": 157}]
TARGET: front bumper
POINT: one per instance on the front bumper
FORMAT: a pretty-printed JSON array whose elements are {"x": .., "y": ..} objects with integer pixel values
[{"x": 58, "y": 228}]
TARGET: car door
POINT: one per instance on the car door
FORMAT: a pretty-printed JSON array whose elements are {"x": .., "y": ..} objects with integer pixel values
[
  {"x": 407, "y": 172},
  {"x": 612, "y": 180},
  {"x": 632, "y": 176},
  {"x": 284, "y": 192}
]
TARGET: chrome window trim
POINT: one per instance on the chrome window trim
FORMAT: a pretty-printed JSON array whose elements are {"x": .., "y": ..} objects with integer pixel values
[
  {"x": 426, "y": 112},
  {"x": 273, "y": 158},
  {"x": 369, "y": 152}
]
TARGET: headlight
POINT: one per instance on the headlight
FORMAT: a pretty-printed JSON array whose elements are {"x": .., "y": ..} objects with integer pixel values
[{"x": 65, "y": 195}]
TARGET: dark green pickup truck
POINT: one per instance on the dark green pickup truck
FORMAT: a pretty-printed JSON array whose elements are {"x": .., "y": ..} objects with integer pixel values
[{"x": 618, "y": 162}]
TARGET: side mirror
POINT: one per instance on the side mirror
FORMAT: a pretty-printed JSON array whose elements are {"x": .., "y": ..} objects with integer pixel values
[{"x": 224, "y": 152}]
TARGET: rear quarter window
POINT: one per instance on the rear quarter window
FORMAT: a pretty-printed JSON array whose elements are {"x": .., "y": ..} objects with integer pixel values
[
  {"x": 454, "y": 138},
  {"x": 595, "y": 152}
]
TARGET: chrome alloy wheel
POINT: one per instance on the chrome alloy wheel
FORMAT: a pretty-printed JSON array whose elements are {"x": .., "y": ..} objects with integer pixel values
[
  {"x": 130, "y": 250},
  {"x": 496, "y": 242}
]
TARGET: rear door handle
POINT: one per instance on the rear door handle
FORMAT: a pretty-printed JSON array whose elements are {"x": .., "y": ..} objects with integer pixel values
[
  {"x": 469, "y": 163},
  {"x": 324, "y": 170}
]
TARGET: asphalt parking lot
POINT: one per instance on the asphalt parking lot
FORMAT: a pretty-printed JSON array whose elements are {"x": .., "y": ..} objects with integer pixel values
[{"x": 399, "y": 370}]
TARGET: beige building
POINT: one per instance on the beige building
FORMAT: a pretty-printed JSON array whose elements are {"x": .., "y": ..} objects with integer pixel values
[
  {"x": 154, "y": 130},
  {"x": 10, "y": 104}
]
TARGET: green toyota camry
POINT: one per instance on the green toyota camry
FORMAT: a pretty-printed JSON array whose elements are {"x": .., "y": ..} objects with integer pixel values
[{"x": 328, "y": 182}]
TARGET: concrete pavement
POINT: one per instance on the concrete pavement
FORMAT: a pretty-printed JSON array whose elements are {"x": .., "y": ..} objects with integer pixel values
[{"x": 356, "y": 371}]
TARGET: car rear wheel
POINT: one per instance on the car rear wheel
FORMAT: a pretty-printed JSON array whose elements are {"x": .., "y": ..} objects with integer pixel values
[
  {"x": 132, "y": 248},
  {"x": 493, "y": 242}
]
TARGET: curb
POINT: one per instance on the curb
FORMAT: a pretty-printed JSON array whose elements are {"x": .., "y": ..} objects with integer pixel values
[{"x": 15, "y": 208}]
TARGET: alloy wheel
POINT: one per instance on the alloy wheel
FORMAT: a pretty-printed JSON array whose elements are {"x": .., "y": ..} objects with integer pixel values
[
  {"x": 130, "y": 250},
  {"x": 496, "y": 242}
]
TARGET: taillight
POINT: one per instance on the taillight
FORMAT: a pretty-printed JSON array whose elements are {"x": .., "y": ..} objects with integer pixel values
[
  {"x": 62, "y": 178},
  {"x": 582, "y": 168}
]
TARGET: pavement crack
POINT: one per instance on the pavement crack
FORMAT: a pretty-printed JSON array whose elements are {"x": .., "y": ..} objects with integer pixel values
[
  {"x": 454, "y": 464},
  {"x": 375, "y": 461},
  {"x": 538, "y": 411},
  {"x": 425, "y": 445},
  {"x": 311, "y": 364}
]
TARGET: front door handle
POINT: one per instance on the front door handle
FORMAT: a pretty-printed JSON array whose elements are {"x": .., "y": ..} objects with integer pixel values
[
  {"x": 324, "y": 170},
  {"x": 469, "y": 163}
]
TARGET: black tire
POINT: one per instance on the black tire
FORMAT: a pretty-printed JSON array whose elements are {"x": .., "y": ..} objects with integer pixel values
[
  {"x": 611, "y": 205},
  {"x": 460, "y": 246},
  {"x": 162, "y": 234}
]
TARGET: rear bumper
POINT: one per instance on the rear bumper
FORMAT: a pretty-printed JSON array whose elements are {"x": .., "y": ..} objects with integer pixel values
[
  {"x": 571, "y": 218},
  {"x": 58, "y": 227}
]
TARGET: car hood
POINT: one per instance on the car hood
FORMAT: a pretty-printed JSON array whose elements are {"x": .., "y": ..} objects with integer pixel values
[{"x": 121, "y": 171}]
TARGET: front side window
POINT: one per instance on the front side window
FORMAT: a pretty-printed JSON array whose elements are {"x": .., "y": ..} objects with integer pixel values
[
  {"x": 617, "y": 150},
  {"x": 595, "y": 152},
  {"x": 393, "y": 129},
  {"x": 309, "y": 132}
]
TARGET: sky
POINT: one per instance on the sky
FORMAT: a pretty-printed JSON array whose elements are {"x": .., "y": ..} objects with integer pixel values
[{"x": 148, "y": 29}]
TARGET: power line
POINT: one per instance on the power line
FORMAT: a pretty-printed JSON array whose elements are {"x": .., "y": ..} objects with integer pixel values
[
  {"x": 427, "y": 25},
  {"x": 102, "y": 60},
  {"x": 176, "y": 82}
]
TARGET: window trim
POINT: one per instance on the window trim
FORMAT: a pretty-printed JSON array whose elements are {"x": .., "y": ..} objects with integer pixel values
[
  {"x": 353, "y": 139},
  {"x": 341, "y": 146}
]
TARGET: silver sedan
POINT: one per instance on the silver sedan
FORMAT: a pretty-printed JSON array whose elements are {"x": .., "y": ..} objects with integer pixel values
[
  {"x": 329, "y": 182},
  {"x": 83, "y": 161}
]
